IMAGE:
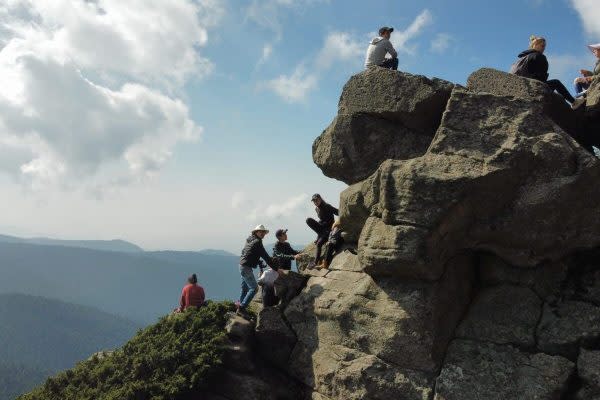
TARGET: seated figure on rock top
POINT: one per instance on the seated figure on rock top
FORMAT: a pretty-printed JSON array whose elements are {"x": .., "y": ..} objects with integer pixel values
[{"x": 379, "y": 48}]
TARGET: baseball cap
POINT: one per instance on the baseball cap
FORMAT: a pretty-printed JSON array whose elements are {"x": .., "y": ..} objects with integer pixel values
[
  {"x": 280, "y": 232},
  {"x": 385, "y": 29},
  {"x": 315, "y": 196}
]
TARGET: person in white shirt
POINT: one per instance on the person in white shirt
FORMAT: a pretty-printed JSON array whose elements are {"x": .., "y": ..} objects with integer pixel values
[
  {"x": 379, "y": 48},
  {"x": 267, "y": 281}
]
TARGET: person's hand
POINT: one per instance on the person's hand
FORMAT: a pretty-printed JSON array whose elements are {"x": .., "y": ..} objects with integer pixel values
[
  {"x": 297, "y": 257},
  {"x": 280, "y": 272},
  {"x": 580, "y": 80},
  {"x": 589, "y": 79}
]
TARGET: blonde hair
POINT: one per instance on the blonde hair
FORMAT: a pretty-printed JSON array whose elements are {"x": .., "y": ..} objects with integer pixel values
[
  {"x": 336, "y": 224},
  {"x": 534, "y": 40}
]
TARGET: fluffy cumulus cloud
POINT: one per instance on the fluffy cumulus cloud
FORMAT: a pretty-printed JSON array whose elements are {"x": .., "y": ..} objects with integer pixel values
[
  {"x": 293, "y": 88},
  {"x": 88, "y": 85},
  {"x": 589, "y": 12},
  {"x": 401, "y": 38},
  {"x": 339, "y": 47},
  {"x": 276, "y": 211},
  {"x": 441, "y": 42}
]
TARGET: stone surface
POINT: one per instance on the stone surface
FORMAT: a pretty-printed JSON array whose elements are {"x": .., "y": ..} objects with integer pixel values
[
  {"x": 545, "y": 280},
  {"x": 495, "y": 165},
  {"x": 288, "y": 285},
  {"x": 402, "y": 325},
  {"x": 484, "y": 371},
  {"x": 503, "y": 315},
  {"x": 588, "y": 367},
  {"x": 275, "y": 340},
  {"x": 239, "y": 330},
  {"x": 398, "y": 123},
  {"x": 566, "y": 326}
]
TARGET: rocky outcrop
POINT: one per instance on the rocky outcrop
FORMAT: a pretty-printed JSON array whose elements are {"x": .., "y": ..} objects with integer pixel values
[{"x": 472, "y": 270}]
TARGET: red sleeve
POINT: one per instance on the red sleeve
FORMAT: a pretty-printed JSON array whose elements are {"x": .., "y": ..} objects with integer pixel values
[
  {"x": 183, "y": 302},
  {"x": 202, "y": 294}
]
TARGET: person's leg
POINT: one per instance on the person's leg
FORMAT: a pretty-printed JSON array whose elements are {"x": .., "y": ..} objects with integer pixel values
[
  {"x": 269, "y": 296},
  {"x": 557, "y": 85},
  {"x": 321, "y": 240},
  {"x": 244, "y": 290},
  {"x": 250, "y": 281},
  {"x": 314, "y": 225},
  {"x": 329, "y": 254},
  {"x": 390, "y": 63},
  {"x": 395, "y": 64}
]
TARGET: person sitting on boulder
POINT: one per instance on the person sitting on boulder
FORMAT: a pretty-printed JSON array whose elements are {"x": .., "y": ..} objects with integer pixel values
[
  {"x": 326, "y": 213},
  {"x": 583, "y": 82},
  {"x": 533, "y": 64},
  {"x": 192, "y": 294},
  {"x": 253, "y": 251},
  {"x": 267, "y": 281},
  {"x": 283, "y": 251},
  {"x": 334, "y": 244},
  {"x": 379, "y": 48}
]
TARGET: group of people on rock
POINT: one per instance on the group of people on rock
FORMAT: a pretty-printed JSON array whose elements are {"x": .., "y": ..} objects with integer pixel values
[
  {"x": 254, "y": 255},
  {"x": 329, "y": 234},
  {"x": 531, "y": 63}
]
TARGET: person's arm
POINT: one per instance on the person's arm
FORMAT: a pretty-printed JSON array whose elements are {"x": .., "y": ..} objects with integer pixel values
[
  {"x": 265, "y": 256},
  {"x": 202, "y": 295},
  {"x": 390, "y": 49},
  {"x": 182, "y": 301}
]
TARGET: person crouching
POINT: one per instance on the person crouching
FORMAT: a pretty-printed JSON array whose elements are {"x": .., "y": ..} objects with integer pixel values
[{"x": 267, "y": 281}]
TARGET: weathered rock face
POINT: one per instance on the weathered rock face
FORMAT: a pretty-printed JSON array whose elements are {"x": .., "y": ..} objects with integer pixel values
[
  {"x": 390, "y": 125},
  {"x": 472, "y": 273}
]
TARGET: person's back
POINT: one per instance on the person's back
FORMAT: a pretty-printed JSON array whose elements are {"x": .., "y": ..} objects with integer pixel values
[
  {"x": 378, "y": 48},
  {"x": 192, "y": 294},
  {"x": 532, "y": 64}
]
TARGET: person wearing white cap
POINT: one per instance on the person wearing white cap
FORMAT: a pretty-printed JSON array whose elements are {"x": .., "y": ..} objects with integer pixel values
[
  {"x": 583, "y": 82},
  {"x": 253, "y": 251}
]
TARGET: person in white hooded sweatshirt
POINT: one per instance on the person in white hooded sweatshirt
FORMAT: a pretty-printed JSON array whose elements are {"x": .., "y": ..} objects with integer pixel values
[{"x": 379, "y": 48}]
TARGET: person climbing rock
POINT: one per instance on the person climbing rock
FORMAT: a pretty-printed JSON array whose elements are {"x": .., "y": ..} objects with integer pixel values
[
  {"x": 583, "y": 82},
  {"x": 379, "y": 47},
  {"x": 192, "y": 294},
  {"x": 283, "y": 251},
  {"x": 253, "y": 251},
  {"x": 334, "y": 244},
  {"x": 322, "y": 227},
  {"x": 267, "y": 281},
  {"x": 533, "y": 64}
]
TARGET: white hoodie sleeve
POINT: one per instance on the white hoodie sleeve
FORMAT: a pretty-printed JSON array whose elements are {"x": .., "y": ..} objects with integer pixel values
[{"x": 390, "y": 49}]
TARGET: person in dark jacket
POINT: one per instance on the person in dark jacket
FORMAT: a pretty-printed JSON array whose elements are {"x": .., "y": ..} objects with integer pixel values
[
  {"x": 334, "y": 244},
  {"x": 253, "y": 251},
  {"x": 326, "y": 214},
  {"x": 533, "y": 64},
  {"x": 283, "y": 251}
]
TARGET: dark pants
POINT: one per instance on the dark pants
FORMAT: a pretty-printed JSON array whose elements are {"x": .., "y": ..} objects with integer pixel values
[
  {"x": 390, "y": 63},
  {"x": 322, "y": 232},
  {"x": 557, "y": 85},
  {"x": 268, "y": 296},
  {"x": 580, "y": 87},
  {"x": 331, "y": 251}
]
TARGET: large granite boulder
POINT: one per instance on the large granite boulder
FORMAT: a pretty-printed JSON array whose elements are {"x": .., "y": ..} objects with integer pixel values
[
  {"x": 275, "y": 340},
  {"x": 397, "y": 123},
  {"x": 485, "y": 371},
  {"x": 588, "y": 367}
]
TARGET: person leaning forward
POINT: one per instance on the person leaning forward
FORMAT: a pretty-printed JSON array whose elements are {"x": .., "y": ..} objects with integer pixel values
[
  {"x": 326, "y": 214},
  {"x": 379, "y": 48},
  {"x": 253, "y": 251},
  {"x": 283, "y": 251}
]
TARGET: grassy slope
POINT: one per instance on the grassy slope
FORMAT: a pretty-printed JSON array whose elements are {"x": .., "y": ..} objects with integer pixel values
[{"x": 170, "y": 360}]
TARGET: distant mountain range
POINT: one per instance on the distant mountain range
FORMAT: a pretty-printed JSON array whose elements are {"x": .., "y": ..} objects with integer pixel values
[
  {"x": 40, "y": 337},
  {"x": 104, "y": 245}
]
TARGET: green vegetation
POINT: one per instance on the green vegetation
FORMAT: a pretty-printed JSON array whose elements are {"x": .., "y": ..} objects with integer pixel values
[{"x": 171, "y": 360}]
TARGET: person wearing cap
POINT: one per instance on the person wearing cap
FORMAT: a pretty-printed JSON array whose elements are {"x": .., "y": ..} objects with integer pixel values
[
  {"x": 253, "y": 251},
  {"x": 583, "y": 82},
  {"x": 379, "y": 48},
  {"x": 326, "y": 214},
  {"x": 283, "y": 251},
  {"x": 192, "y": 294}
]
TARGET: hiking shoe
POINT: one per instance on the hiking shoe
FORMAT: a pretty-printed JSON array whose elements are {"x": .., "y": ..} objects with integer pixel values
[{"x": 578, "y": 103}]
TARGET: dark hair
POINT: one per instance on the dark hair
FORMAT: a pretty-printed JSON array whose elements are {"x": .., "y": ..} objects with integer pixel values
[{"x": 192, "y": 279}]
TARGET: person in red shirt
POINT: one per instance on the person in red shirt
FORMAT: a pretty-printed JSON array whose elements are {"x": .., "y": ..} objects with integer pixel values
[{"x": 192, "y": 294}]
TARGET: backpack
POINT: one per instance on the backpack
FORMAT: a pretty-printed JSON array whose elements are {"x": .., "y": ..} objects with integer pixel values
[{"x": 521, "y": 67}]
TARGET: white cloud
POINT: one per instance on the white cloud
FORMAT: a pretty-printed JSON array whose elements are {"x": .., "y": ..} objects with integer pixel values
[
  {"x": 285, "y": 209},
  {"x": 400, "y": 39},
  {"x": 83, "y": 82},
  {"x": 293, "y": 88},
  {"x": 589, "y": 12},
  {"x": 238, "y": 200},
  {"x": 339, "y": 47},
  {"x": 267, "y": 50},
  {"x": 441, "y": 42},
  {"x": 268, "y": 13}
]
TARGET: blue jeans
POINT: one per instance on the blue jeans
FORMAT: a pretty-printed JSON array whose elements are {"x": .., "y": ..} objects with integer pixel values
[
  {"x": 249, "y": 286},
  {"x": 390, "y": 63}
]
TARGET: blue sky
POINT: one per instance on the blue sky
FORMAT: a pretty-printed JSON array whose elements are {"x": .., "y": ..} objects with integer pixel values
[{"x": 183, "y": 124}]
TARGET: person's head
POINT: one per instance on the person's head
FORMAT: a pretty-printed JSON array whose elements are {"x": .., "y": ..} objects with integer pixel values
[
  {"x": 537, "y": 43},
  {"x": 260, "y": 231},
  {"x": 193, "y": 279},
  {"x": 595, "y": 48},
  {"x": 386, "y": 32},
  {"x": 316, "y": 199},
  {"x": 281, "y": 235}
]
